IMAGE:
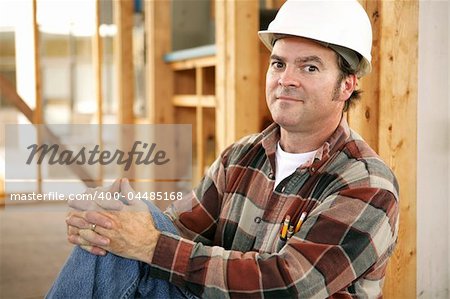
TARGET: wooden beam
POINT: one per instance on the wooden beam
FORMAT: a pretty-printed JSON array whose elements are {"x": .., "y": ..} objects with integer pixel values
[
  {"x": 123, "y": 52},
  {"x": 38, "y": 110},
  {"x": 200, "y": 123},
  {"x": 363, "y": 116},
  {"x": 221, "y": 59},
  {"x": 192, "y": 63},
  {"x": 237, "y": 70},
  {"x": 11, "y": 95},
  {"x": 397, "y": 142},
  {"x": 97, "y": 60},
  {"x": 38, "y": 115},
  {"x": 123, "y": 16},
  {"x": 159, "y": 74},
  {"x": 206, "y": 101}
]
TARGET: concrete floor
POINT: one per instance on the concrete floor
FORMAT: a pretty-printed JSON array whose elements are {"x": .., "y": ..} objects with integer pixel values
[{"x": 33, "y": 248}]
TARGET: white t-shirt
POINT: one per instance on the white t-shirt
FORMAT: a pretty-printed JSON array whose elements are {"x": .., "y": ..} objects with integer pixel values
[{"x": 287, "y": 163}]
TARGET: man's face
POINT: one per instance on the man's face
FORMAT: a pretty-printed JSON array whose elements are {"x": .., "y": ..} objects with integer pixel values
[{"x": 302, "y": 89}]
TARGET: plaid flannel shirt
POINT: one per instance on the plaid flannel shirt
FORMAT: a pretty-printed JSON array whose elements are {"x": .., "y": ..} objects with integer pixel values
[{"x": 230, "y": 242}]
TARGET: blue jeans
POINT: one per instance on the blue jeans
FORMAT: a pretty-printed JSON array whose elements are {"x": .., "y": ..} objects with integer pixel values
[{"x": 85, "y": 275}]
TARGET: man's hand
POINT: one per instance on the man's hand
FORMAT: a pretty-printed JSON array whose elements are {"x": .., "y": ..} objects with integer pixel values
[
  {"x": 78, "y": 218},
  {"x": 125, "y": 230}
]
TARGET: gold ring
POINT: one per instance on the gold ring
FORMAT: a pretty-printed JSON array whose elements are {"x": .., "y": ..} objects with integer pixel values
[{"x": 93, "y": 226}]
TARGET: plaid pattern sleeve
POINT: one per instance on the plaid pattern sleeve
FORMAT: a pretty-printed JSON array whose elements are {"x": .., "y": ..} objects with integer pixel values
[{"x": 229, "y": 244}]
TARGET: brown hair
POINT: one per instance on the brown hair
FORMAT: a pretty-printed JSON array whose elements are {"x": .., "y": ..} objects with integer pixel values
[{"x": 346, "y": 70}]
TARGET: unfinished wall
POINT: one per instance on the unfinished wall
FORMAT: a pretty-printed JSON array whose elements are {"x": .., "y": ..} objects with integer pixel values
[{"x": 433, "y": 176}]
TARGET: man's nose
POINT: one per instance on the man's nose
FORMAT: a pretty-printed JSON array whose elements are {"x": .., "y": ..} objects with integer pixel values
[{"x": 288, "y": 78}]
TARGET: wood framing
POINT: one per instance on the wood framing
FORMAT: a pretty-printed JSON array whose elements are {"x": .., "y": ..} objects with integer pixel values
[
  {"x": 363, "y": 117},
  {"x": 193, "y": 100},
  {"x": 97, "y": 60},
  {"x": 159, "y": 75},
  {"x": 195, "y": 62},
  {"x": 237, "y": 70},
  {"x": 200, "y": 123},
  {"x": 11, "y": 95},
  {"x": 221, "y": 74},
  {"x": 123, "y": 16},
  {"x": 397, "y": 142},
  {"x": 38, "y": 115},
  {"x": 38, "y": 110},
  {"x": 386, "y": 117}
]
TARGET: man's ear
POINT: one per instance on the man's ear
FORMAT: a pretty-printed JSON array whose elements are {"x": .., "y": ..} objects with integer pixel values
[{"x": 348, "y": 85}]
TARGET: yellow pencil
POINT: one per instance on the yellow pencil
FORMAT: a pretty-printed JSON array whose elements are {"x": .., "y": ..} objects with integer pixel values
[
  {"x": 284, "y": 229},
  {"x": 300, "y": 222}
]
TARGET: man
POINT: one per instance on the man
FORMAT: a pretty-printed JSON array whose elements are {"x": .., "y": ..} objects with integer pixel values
[{"x": 303, "y": 209}]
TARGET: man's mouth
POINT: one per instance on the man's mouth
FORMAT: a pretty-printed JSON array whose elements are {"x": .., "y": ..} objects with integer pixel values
[{"x": 288, "y": 98}]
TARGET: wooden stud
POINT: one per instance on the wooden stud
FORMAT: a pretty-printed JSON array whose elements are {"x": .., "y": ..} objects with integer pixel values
[
  {"x": 123, "y": 52},
  {"x": 363, "y": 116},
  {"x": 245, "y": 77},
  {"x": 159, "y": 74},
  {"x": 200, "y": 123},
  {"x": 38, "y": 111},
  {"x": 9, "y": 92},
  {"x": 230, "y": 71},
  {"x": 97, "y": 59},
  {"x": 237, "y": 72},
  {"x": 221, "y": 62},
  {"x": 386, "y": 118},
  {"x": 123, "y": 15},
  {"x": 37, "y": 116},
  {"x": 397, "y": 142}
]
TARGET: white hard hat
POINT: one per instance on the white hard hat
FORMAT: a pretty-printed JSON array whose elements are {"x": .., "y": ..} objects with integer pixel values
[{"x": 338, "y": 24}]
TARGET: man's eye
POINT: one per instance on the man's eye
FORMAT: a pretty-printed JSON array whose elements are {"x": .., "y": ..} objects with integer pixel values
[
  {"x": 277, "y": 64},
  {"x": 311, "y": 68}
]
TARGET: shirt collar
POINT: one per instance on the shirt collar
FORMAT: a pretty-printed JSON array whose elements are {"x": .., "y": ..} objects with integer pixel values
[{"x": 271, "y": 136}]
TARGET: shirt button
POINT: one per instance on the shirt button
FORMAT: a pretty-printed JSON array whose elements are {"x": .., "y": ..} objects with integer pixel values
[
  {"x": 313, "y": 169},
  {"x": 271, "y": 176},
  {"x": 284, "y": 188},
  {"x": 257, "y": 219}
]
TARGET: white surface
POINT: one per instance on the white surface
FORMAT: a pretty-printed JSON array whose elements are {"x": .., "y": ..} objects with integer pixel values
[{"x": 433, "y": 209}]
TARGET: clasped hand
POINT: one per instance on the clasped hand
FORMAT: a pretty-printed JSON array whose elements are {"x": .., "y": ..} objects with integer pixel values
[{"x": 124, "y": 228}]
